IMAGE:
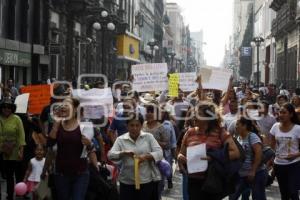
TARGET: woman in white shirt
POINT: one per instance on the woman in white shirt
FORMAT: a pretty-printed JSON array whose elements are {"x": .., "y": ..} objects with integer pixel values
[
  {"x": 285, "y": 138},
  {"x": 144, "y": 146}
]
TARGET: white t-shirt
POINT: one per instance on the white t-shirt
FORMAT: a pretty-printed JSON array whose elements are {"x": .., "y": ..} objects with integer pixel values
[
  {"x": 37, "y": 169},
  {"x": 286, "y": 143},
  {"x": 228, "y": 119}
]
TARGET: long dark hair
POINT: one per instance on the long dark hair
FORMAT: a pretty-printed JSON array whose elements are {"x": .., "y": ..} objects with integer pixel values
[
  {"x": 291, "y": 109},
  {"x": 251, "y": 126}
]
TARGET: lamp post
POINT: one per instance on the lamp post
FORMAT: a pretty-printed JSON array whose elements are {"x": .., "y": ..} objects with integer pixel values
[
  {"x": 172, "y": 56},
  {"x": 105, "y": 25},
  {"x": 152, "y": 45},
  {"x": 257, "y": 41}
]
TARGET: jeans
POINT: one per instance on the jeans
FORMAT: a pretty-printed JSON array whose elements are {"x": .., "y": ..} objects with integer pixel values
[
  {"x": 288, "y": 180},
  {"x": 185, "y": 194},
  {"x": 148, "y": 191},
  {"x": 257, "y": 187},
  {"x": 12, "y": 169},
  {"x": 72, "y": 186}
]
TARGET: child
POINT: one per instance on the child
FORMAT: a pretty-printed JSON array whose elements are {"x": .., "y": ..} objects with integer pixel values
[{"x": 34, "y": 170}]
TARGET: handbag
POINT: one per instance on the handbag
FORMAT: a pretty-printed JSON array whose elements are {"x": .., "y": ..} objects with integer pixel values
[{"x": 213, "y": 182}]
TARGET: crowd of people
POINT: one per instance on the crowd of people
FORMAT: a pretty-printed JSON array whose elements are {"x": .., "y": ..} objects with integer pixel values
[{"x": 251, "y": 137}]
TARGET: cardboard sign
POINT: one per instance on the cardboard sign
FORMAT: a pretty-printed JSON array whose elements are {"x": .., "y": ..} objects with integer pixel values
[
  {"x": 215, "y": 78},
  {"x": 173, "y": 85},
  {"x": 187, "y": 82},
  {"x": 96, "y": 103},
  {"x": 21, "y": 102},
  {"x": 39, "y": 97},
  {"x": 150, "y": 77}
]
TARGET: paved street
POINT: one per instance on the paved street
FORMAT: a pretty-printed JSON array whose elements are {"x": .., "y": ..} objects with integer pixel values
[{"x": 175, "y": 193}]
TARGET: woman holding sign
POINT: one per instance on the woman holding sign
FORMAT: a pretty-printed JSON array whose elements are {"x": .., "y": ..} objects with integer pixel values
[
  {"x": 207, "y": 135},
  {"x": 138, "y": 151},
  {"x": 72, "y": 175}
]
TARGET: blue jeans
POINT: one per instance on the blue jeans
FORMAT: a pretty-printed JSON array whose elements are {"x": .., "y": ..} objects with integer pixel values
[
  {"x": 257, "y": 187},
  {"x": 72, "y": 186},
  {"x": 185, "y": 193}
]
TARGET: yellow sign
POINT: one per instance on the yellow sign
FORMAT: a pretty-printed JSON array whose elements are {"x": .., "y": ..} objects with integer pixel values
[
  {"x": 128, "y": 47},
  {"x": 173, "y": 85}
]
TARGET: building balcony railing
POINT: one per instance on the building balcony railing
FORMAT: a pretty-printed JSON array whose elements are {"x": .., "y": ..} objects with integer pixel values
[{"x": 286, "y": 18}]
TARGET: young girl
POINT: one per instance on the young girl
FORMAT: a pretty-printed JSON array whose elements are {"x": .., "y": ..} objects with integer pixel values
[{"x": 35, "y": 168}]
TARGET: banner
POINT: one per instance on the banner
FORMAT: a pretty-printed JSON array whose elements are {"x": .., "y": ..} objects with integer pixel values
[
  {"x": 215, "y": 78},
  {"x": 39, "y": 97},
  {"x": 21, "y": 102},
  {"x": 150, "y": 77},
  {"x": 187, "y": 82},
  {"x": 173, "y": 85},
  {"x": 96, "y": 102}
]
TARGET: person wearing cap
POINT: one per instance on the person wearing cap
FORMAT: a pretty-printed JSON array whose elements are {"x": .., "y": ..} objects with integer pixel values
[{"x": 12, "y": 142}]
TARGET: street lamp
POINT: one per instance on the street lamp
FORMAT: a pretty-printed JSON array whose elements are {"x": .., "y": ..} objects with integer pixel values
[
  {"x": 257, "y": 41},
  {"x": 152, "y": 45}
]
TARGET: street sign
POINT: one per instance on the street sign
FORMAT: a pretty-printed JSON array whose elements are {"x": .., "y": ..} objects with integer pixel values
[
  {"x": 54, "y": 48},
  {"x": 246, "y": 51}
]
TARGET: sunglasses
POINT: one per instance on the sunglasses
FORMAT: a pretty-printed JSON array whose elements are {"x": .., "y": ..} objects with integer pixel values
[{"x": 7, "y": 107}]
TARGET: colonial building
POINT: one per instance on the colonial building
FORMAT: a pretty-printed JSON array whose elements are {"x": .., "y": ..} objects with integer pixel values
[
  {"x": 23, "y": 37},
  {"x": 286, "y": 33}
]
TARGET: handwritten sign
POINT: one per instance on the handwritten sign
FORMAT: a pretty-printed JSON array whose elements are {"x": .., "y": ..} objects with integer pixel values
[
  {"x": 187, "y": 81},
  {"x": 150, "y": 77},
  {"x": 21, "y": 102},
  {"x": 215, "y": 78},
  {"x": 39, "y": 97},
  {"x": 96, "y": 103},
  {"x": 173, "y": 85}
]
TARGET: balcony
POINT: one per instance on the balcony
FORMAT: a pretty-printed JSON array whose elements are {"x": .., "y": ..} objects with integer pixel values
[
  {"x": 77, "y": 5},
  {"x": 285, "y": 20}
]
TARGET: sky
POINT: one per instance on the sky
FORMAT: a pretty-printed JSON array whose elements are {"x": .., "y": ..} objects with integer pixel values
[{"x": 215, "y": 18}]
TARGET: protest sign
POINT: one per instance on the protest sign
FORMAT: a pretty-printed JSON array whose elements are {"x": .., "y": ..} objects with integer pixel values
[
  {"x": 150, "y": 77},
  {"x": 173, "y": 85},
  {"x": 96, "y": 103},
  {"x": 187, "y": 81},
  {"x": 39, "y": 97},
  {"x": 21, "y": 102},
  {"x": 215, "y": 78}
]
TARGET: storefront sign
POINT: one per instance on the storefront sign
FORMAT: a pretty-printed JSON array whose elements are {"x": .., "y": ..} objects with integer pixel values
[
  {"x": 16, "y": 58},
  {"x": 128, "y": 47}
]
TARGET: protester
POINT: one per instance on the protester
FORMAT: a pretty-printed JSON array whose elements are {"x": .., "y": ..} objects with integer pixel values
[
  {"x": 208, "y": 130},
  {"x": 146, "y": 149},
  {"x": 285, "y": 141},
  {"x": 72, "y": 175},
  {"x": 34, "y": 170},
  {"x": 253, "y": 174},
  {"x": 12, "y": 142},
  {"x": 13, "y": 90}
]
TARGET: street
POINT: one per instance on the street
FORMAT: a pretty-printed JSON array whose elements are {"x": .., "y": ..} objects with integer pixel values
[{"x": 175, "y": 193}]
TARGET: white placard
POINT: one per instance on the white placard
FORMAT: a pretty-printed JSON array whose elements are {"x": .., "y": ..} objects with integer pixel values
[
  {"x": 96, "y": 103},
  {"x": 194, "y": 162},
  {"x": 150, "y": 77},
  {"x": 187, "y": 81},
  {"x": 21, "y": 102},
  {"x": 215, "y": 78}
]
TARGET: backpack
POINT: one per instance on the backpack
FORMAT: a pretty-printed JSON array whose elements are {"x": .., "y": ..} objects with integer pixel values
[{"x": 267, "y": 152}]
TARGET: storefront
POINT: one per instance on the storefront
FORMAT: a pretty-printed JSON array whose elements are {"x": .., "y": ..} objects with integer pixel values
[
  {"x": 128, "y": 54},
  {"x": 15, "y": 65}
]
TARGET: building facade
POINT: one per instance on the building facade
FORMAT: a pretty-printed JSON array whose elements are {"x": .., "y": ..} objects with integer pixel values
[
  {"x": 23, "y": 37},
  {"x": 286, "y": 33}
]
